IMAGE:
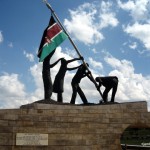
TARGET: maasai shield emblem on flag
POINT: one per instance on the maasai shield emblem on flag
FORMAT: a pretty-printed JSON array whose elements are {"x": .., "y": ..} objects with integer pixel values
[{"x": 53, "y": 36}]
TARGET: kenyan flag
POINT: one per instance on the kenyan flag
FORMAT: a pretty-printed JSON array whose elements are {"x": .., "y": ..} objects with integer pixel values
[{"x": 53, "y": 36}]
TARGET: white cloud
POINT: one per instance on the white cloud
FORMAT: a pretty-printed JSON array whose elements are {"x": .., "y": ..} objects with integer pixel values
[
  {"x": 133, "y": 45},
  {"x": 95, "y": 64},
  {"x": 71, "y": 53},
  {"x": 82, "y": 26},
  {"x": 140, "y": 28},
  {"x": 108, "y": 20},
  {"x": 12, "y": 91},
  {"x": 36, "y": 72},
  {"x": 107, "y": 16},
  {"x": 94, "y": 51},
  {"x": 29, "y": 56},
  {"x": 129, "y": 5},
  {"x": 123, "y": 66},
  {"x": 11, "y": 85},
  {"x": 138, "y": 9},
  {"x": 132, "y": 86},
  {"x": 85, "y": 25},
  {"x": 1, "y": 37},
  {"x": 140, "y": 32}
]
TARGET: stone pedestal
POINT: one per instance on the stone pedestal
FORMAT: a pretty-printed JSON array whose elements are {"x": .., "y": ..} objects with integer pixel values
[{"x": 69, "y": 127}]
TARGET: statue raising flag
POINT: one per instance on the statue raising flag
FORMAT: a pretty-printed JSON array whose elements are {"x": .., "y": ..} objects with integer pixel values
[{"x": 53, "y": 36}]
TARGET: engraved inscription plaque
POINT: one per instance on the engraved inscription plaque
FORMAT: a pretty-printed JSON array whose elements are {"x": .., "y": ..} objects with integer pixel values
[{"x": 31, "y": 139}]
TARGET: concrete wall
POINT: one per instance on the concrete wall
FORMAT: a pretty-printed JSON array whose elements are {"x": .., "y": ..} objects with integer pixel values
[{"x": 71, "y": 127}]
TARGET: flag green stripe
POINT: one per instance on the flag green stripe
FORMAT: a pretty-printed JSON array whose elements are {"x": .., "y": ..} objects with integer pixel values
[{"x": 47, "y": 49}]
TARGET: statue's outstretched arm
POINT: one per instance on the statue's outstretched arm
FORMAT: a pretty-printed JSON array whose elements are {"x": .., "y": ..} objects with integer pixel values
[
  {"x": 52, "y": 65},
  {"x": 69, "y": 61},
  {"x": 73, "y": 68}
]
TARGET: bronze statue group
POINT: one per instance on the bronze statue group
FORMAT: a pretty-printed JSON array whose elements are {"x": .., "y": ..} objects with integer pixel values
[{"x": 109, "y": 82}]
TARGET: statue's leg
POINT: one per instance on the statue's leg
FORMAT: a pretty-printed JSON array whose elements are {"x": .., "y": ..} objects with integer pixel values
[
  {"x": 59, "y": 97},
  {"x": 105, "y": 94},
  {"x": 48, "y": 87},
  {"x": 74, "y": 94},
  {"x": 82, "y": 95},
  {"x": 114, "y": 90}
]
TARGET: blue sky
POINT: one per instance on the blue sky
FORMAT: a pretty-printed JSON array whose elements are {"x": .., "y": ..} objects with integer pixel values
[{"x": 113, "y": 36}]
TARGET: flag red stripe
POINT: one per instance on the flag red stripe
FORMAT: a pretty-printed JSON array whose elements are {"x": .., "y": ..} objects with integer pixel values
[{"x": 52, "y": 31}]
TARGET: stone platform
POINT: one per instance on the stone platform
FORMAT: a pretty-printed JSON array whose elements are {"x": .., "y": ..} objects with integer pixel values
[{"x": 69, "y": 127}]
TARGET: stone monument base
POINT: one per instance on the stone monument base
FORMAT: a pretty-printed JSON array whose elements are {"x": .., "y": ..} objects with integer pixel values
[{"x": 39, "y": 126}]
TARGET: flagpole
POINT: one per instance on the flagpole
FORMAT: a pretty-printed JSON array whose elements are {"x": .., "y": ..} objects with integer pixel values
[{"x": 53, "y": 12}]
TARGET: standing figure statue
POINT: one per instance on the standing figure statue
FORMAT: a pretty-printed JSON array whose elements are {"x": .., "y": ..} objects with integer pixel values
[
  {"x": 81, "y": 73},
  {"x": 110, "y": 82},
  {"x": 58, "y": 86},
  {"x": 48, "y": 87}
]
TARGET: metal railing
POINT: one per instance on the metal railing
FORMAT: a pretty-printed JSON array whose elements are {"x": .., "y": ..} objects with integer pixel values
[{"x": 135, "y": 147}]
